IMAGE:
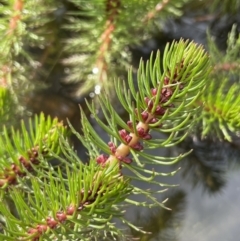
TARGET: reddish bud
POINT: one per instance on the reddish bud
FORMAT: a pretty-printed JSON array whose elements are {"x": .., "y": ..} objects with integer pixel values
[
  {"x": 123, "y": 133},
  {"x": 147, "y": 137},
  {"x": 61, "y": 216},
  {"x": 144, "y": 134},
  {"x": 140, "y": 131},
  {"x": 112, "y": 147},
  {"x": 144, "y": 115},
  {"x": 153, "y": 120},
  {"x": 23, "y": 160},
  {"x": 125, "y": 136},
  {"x": 154, "y": 91},
  {"x": 15, "y": 169},
  {"x": 42, "y": 228},
  {"x": 128, "y": 138},
  {"x": 130, "y": 124},
  {"x": 166, "y": 80},
  {"x": 70, "y": 210},
  {"x": 12, "y": 179},
  {"x": 149, "y": 103},
  {"x": 32, "y": 230},
  {"x": 159, "y": 111},
  {"x": 102, "y": 159},
  {"x": 127, "y": 160},
  {"x": 167, "y": 92},
  {"x": 51, "y": 222},
  {"x": 137, "y": 146}
]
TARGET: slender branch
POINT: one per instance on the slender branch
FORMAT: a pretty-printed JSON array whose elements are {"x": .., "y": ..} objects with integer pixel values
[
  {"x": 6, "y": 69},
  {"x": 226, "y": 66},
  {"x": 112, "y": 10},
  {"x": 17, "y": 7},
  {"x": 159, "y": 7},
  {"x": 38, "y": 230}
]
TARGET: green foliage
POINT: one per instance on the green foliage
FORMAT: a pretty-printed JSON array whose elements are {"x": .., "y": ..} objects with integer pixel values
[
  {"x": 221, "y": 110},
  {"x": 231, "y": 6},
  {"x": 20, "y": 34},
  {"x": 21, "y": 149},
  {"x": 221, "y": 99},
  {"x": 6, "y": 106},
  {"x": 102, "y": 32},
  {"x": 78, "y": 201},
  {"x": 90, "y": 189}
]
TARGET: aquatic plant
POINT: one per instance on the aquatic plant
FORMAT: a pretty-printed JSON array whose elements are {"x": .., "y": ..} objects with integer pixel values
[{"x": 174, "y": 94}]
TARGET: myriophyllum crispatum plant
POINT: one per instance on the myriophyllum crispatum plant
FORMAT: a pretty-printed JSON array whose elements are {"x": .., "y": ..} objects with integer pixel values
[{"x": 78, "y": 201}]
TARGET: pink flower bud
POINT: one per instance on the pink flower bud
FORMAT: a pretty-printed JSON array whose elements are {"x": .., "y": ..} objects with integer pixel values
[
  {"x": 153, "y": 120},
  {"x": 123, "y": 133},
  {"x": 147, "y": 137},
  {"x": 149, "y": 103},
  {"x": 154, "y": 91},
  {"x": 159, "y": 110},
  {"x": 70, "y": 210},
  {"x": 137, "y": 146},
  {"x": 61, "y": 216},
  {"x": 166, "y": 80},
  {"x": 144, "y": 115},
  {"x": 130, "y": 124},
  {"x": 101, "y": 159},
  {"x": 125, "y": 136},
  {"x": 127, "y": 160},
  {"x": 51, "y": 222},
  {"x": 112, "y": 147},
  {"x": 42, "y": 228},
  {"x": 140, "y": 131}
]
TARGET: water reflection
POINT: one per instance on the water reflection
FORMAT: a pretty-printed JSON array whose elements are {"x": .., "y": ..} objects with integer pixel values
[
  {"x": 207, "y": 164},
  {"x": 162, "y": 224},
  {"x": 205, "y": 207}
]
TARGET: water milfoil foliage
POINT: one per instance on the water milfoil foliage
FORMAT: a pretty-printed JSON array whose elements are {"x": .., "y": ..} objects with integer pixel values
[
  {"x": 77, "y": 201},
  {"x": 220, "y": 116}
]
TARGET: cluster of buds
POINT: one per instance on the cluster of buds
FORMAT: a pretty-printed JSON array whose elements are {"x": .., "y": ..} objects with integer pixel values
[
  {"x": 150, "y": 115},
  {"x": 10, "y": 174},
  {"x": 31, "y": 160},
  {"x": 60, "y": 217}
]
